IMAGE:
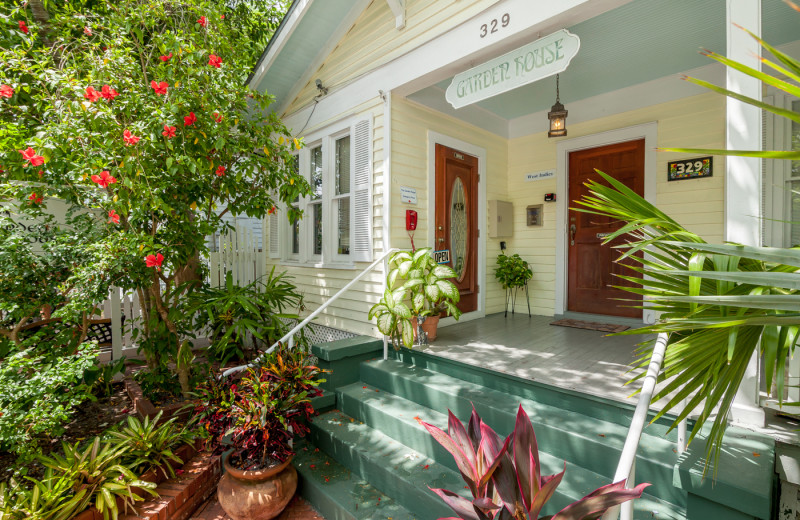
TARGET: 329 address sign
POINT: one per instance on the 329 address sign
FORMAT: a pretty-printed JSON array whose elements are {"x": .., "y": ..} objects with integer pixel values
[{"x": 690, "y": 168}]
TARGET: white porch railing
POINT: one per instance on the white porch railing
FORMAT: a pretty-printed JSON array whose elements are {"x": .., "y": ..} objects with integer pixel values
[
  {"x": 626, "y": 468},
  {"x": 289, "y": 336}
]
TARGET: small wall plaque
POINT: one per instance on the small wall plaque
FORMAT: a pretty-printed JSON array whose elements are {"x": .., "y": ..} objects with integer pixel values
[
  {"x": 690, "y": 168},
  {"x": 408, "y": 195},
  {"x": 534, "y": 217}
]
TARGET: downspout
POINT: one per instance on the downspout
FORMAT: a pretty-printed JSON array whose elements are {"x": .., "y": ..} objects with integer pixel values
[{"x": 387, "y": 189}]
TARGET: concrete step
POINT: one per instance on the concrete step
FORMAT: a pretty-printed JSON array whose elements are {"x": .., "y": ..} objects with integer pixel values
[
  {"x": 398, "y": 418},
  {"x": 567, "y": 435},
  {"x": 339, "y": 494}
]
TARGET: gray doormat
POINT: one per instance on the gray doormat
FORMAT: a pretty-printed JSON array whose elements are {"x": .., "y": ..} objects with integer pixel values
[{"x": 590, "y": 325}]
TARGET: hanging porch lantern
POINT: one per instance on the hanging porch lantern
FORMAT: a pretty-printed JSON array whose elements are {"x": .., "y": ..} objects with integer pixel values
[{"x": 557, "y": 117}]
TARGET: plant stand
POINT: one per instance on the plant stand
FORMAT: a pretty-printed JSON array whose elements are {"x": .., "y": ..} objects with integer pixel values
[{"x": 511, "y": 296}]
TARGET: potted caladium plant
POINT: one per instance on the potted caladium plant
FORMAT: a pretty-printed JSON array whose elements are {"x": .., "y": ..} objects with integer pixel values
[
  {"x": 418, "y": 291},
  {"x": 505, "y": 478},
  {"x": 257, "y": 413}
]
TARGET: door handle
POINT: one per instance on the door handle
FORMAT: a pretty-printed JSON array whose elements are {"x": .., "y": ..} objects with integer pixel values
[
  {"x": 572, "y": 230},
  {"x": 441, "y": 239}
]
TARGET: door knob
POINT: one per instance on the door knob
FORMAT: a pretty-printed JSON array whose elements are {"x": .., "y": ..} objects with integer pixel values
[{"x": 572, "y": 230}]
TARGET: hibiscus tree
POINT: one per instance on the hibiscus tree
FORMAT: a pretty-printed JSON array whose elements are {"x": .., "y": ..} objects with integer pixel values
[{"x": 128, "y": 120}]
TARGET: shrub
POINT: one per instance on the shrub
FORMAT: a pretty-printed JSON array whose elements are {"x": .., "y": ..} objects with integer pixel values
[
  {"x": 505, "y": 477},
  {"x": 242, "y": 318},
  {"x": 261, "y": 409},
  {"x": 149, "y": 446},
  {"x": 96, "y": 470},
  {"x": 38, "y": 391}
]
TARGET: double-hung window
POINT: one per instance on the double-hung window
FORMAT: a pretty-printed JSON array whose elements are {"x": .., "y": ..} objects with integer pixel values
[{"x": 336, "y": 229}]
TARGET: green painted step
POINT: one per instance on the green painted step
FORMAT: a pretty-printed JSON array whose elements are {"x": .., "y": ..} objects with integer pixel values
[
  {"x": 339, "y": 494},
  {"x": 397, "y": 418},
  {"x": 589, "y": 405},
  {"x": 589, "y": 442},
  {"x": 390, "y": 466}
]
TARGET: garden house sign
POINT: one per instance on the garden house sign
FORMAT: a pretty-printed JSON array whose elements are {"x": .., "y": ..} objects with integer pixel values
[{"x": 532, "y": 62}]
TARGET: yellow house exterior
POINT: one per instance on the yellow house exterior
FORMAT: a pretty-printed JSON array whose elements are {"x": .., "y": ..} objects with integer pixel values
[
  {"x": 402, "y": 122},
  {"x": 365, "y": 81},
  {"x": 430, "y": 107}
]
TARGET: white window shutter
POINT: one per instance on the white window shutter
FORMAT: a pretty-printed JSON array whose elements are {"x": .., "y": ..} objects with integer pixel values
[
  {"x": 362, "y": 191},
  {"x": 274, "y": 235}
]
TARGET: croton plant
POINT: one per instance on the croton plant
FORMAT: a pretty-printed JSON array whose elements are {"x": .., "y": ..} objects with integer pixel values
[
  {"x": 261, "y": 409},
  {"x": 505, "y": 477}
]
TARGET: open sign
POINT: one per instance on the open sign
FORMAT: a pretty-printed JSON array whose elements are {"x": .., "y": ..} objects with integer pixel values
[{"x": 441, "y": 257}]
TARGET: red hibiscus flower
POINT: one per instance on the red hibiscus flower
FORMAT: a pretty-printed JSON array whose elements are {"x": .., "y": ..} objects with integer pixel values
[
  {"x": 129, "y": 138},
  {"x": 154, "y": 261},
  {"x": 6, "y": 91},
  {"x": 190, "y": 119},
  {"x": 215, "y": 61},
  {"x": 87, "y": 31},
  {"x": 220, "y": 171},
  {"x": 91, "y": 94},
  {"x": 202, "y": 21},
  {"x": 271, "y": 211},
  {"x": 23, "y": 27},
  {"x": 159, "y": 88},
  {"x": 104, "y": 179},
  {"x": 169, "y": 131},
  {"x": 222, "y": 17},
  {"x": 113, "y": 217},
  {"x": 108, "y": 92},
  {"x": 217, "y": 117},
  {"x": 34, "y": 198},
  {"x": 30, "y": 155},
  {"x": 165, "y": 58}
]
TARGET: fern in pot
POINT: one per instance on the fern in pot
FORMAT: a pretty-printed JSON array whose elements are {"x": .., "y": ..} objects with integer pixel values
[{"x": 418, "y": 291}]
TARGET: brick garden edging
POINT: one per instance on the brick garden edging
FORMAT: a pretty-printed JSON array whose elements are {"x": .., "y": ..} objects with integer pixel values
[{"x": 145, "y": 408}]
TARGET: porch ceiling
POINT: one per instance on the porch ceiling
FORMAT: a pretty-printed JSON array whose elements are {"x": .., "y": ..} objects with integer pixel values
[
  {"x": 319, "y": 22},
  {"x": 638, "y": 42}
]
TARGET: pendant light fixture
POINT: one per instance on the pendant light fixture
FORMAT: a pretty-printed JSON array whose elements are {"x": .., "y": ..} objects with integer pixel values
[{"x": 557, "y": 117}]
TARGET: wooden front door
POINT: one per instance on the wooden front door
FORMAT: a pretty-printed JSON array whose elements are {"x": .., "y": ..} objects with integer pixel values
[
  {"x": 457, "y": 219},
  {"x": 592, "y": 271}
]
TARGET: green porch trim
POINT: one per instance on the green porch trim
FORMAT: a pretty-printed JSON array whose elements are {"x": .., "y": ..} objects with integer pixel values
[
  {"x": 342, "y": 359},
  {"x": 744, "y": 483}
]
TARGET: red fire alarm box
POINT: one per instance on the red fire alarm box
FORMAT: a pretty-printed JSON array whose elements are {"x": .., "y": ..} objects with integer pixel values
[{"x": 411, "y": 220}]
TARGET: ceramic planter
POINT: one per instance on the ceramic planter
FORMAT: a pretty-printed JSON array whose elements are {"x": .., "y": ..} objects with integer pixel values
[
  {"x": 256, "y": 495},
  {"x": 430, "y": 325}
]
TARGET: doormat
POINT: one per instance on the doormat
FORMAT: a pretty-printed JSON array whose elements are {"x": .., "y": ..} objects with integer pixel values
[{"x": 590, "y": 325}]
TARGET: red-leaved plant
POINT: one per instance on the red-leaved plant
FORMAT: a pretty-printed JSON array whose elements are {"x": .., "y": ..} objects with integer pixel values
[
  {"x": 505, "y": 477},
  {"x": 261, "y": 409}
]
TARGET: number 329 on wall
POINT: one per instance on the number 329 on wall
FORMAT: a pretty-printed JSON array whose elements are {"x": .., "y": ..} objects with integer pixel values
[{"x": 690, "y": 168}]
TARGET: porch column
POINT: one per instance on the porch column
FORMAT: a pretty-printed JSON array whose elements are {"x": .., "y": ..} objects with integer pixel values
[{"x": 743, "y": 175}]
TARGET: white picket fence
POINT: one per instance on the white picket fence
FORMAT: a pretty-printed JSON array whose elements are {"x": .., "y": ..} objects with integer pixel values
[{"x": 236, "y": 251}]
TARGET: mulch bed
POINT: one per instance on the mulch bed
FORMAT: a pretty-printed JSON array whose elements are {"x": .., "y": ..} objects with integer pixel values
[{"x": 90, "y": 419}]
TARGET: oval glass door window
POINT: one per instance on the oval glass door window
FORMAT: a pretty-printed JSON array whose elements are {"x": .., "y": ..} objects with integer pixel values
[{"x": 458, "y": 229}]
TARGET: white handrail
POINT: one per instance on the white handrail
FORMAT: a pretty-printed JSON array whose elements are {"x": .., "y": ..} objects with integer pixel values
[
  {"x": 626, "y": 469},
  {"x": 289, "y": 336}
]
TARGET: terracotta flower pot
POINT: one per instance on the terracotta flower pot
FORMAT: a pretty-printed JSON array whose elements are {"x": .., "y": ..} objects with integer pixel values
[
  {"x": 256, "y": 495},
  {"x": 430, "y": 325}
]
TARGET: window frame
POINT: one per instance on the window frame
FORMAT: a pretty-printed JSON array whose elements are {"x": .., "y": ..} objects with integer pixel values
[{"x": 329, "y": 257}]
